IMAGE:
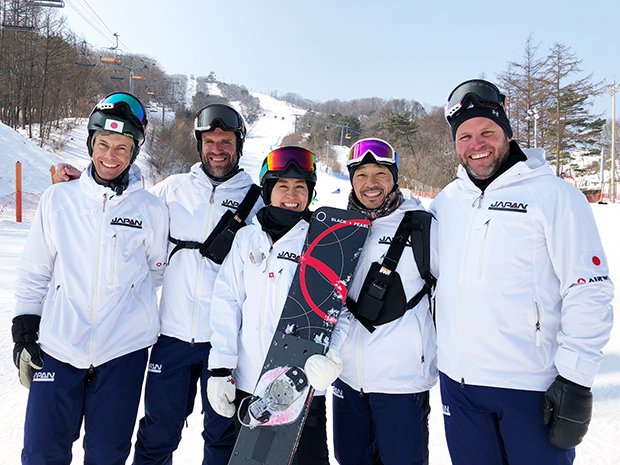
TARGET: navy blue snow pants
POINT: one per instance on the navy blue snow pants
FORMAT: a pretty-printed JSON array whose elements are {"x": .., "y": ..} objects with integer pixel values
[
  {"x": 105, "y": 397},
  {"x": 175, "y": 367},
  {"x": 393, "y": 427},
  {"x": 496, "y": 426}
]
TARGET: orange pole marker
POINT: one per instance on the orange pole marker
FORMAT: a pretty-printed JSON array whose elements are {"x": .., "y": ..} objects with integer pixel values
[{"x": 18, "y": 192}]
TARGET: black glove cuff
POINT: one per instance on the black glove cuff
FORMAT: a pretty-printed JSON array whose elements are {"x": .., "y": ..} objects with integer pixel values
[
  {"x": 25, "y": 328},
  {"x": 221, "y": 372}
]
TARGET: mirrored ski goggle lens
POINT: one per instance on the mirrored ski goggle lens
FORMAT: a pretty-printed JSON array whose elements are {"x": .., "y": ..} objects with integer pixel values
[
  {"x": 133, "y": 103},
  {"x": 226, "y": 117},
  {"x": 279, "y": 159},
  {"x": 476, "y": 93},
  {"x": 380, "y": 150}
]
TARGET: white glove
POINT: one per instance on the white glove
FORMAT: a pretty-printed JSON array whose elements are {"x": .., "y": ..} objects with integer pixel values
[
  {"x": 221, "y": 394},
  {"x": 322, "y": 370}
]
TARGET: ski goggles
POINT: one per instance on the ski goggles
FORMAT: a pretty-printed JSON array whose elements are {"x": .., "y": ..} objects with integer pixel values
[
  {"x": 381, "y": 151},
  {"x": 219, "y": 115},
  {"x": 282, "y": 158},
  {"x": 124, "y": 102},
  {"x": 475, "y": 93}
]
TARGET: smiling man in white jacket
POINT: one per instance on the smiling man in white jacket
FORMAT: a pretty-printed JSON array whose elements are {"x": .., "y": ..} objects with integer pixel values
[
  {"x": 523, "y": 301},
  {"x": 94, "y": 256}
]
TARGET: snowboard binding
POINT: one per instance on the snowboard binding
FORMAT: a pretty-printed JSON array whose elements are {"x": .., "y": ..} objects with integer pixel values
[{"x": 278, "y": 404}]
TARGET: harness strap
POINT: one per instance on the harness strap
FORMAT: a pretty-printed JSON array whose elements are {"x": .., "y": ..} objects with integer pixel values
[{"x": 244, "y": 209}]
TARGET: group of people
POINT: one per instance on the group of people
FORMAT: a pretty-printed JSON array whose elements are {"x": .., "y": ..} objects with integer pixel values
[{"x": 514, "y": 328}]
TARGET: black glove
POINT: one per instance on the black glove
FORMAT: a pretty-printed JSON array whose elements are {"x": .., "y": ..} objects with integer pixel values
[
  {"x": 26, "y": 353},
  {"x": 567, "y": 411}
]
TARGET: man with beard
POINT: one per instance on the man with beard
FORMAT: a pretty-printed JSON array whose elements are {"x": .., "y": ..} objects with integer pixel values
[
  {"x": 197, "y": 201},
  {"x": 523, "y": 300}
]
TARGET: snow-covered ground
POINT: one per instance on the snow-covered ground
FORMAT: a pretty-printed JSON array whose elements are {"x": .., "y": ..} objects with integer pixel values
[{"x": 600, "y": 447}]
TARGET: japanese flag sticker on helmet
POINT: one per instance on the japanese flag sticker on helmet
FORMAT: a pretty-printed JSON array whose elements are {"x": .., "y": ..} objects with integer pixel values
[{"x": 113, "y": 125}]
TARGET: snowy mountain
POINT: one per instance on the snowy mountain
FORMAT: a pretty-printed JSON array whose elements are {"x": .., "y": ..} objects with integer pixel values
[{"x": 600, "y": 447}]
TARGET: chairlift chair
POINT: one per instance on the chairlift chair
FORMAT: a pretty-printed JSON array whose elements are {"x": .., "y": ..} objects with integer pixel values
[{"x": 48, "y": 3}]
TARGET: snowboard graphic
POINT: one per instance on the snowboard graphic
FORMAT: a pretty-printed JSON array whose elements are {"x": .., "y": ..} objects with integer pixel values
[{"x": 272, "y": 419}]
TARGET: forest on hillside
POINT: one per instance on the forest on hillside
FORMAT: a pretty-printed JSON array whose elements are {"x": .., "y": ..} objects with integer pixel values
[{"x": 48, "y": 74}]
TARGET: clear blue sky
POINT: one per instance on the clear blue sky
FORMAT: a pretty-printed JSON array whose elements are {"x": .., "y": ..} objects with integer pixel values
[{"x": 350, "y": 49}]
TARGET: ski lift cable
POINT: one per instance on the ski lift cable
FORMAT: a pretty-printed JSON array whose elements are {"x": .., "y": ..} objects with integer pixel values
[
  {"x": 88, "y": 20},
  {"x": 93, "y": 14},
  {"x": 92, "y": 18}
]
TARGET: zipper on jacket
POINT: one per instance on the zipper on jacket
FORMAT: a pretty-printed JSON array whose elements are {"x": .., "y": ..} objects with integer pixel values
[
  {"x": 477, "y": 203},
  {"x": 483, "y": 248},
  {"x": 538, "y": 333},
  {"x": 417, "y": 319},
  {"x": 112, "y": 268},
  {"x": 95, "y": 297},
  {"x": 203, "y": 263}
]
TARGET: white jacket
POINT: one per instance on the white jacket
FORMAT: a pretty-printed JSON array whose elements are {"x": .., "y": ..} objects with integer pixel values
[
  {"x": 90, "y": 268},
  {"x": 195, "y": 207},
  {"x": 248, "y": 298},
  {"x": 524, "y": 289},
  {"x": 398, "y": 357}
]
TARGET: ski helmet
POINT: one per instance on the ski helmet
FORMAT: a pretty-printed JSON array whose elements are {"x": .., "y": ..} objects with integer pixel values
[
  {"x": 219, "y": 115},
  {"x": 287, "y": 162},
  {"x": 120, "y": 113},
  {"x": 476, "y": 98}
]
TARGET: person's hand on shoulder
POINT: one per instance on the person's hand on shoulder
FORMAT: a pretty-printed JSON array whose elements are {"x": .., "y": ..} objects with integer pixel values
[{"x": 65, "y": 172}]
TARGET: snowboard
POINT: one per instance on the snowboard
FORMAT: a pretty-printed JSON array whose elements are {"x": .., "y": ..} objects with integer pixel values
[{"x": 273, "y": 417}]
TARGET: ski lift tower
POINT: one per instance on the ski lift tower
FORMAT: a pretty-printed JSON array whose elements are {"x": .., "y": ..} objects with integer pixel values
[{"x": 612, "y": 175}]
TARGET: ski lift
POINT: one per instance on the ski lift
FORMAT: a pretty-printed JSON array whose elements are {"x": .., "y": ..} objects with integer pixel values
[
  {"x": 18, "y": 18},
  {"x": 347, "y": 136},
  {"x": 48, "y": 3},
  {"x": 16, "y": 27},
  {"x": 83, "y": 59}
]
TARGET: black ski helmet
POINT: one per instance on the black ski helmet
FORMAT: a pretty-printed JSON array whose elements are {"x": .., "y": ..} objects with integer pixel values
[
  {"x": 287, "y": 162},
  {"x": 120, "y": 113},
  {"x": 219, "y": 115}
]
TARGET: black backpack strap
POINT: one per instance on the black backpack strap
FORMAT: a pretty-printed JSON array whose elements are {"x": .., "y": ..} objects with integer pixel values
[
  {"x": 179, "y": 244},
  {"x": 399, "y": 241},
  {"x": 244, "y": 209},
  {"x": 420, "y": 221}
]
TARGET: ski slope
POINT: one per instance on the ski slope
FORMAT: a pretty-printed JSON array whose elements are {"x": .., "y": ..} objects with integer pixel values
[{"x": 600, "y": 447}]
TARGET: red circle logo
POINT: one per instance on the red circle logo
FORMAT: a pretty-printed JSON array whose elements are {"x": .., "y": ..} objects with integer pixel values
[
  {"x": 581, "y": 281},
  {"x": 596, "y": 260},
  {"x": 114, "y": 125}
]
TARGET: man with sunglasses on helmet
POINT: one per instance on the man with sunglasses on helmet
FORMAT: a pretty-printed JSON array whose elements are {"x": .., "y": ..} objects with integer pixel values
[
  {"x": 203, "y": 204},
  {"x": 523, "y": 300},
  {"x": 387, "y": 348},
  {"x": 86, "y": 297},
  {"x": 205, "y": 209},
  {"x": 251, "y": 290}
]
